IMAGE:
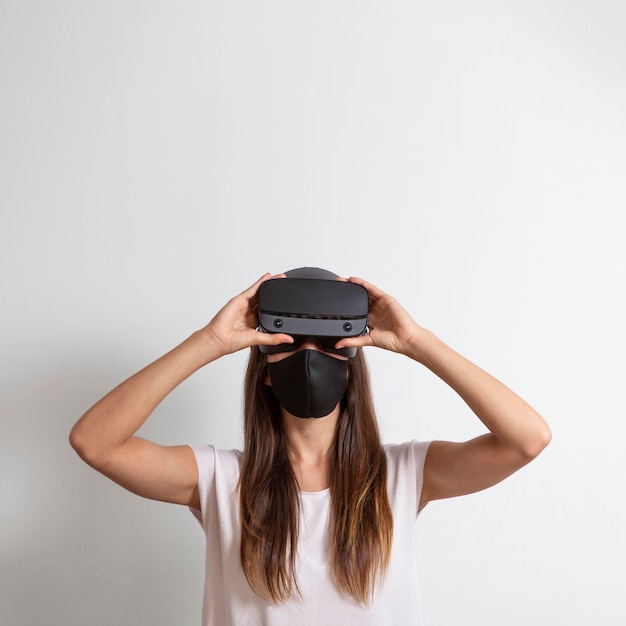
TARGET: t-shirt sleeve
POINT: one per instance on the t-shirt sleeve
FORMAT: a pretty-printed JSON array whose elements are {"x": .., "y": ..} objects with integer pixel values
[
  {"x": 205, "y": 459},
  {"x": 406, "y": 471},
  {"x": 419, "y": 449}
]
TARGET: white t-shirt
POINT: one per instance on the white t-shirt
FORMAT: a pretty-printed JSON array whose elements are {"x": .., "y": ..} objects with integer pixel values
[{"x": 228, "y": 598}]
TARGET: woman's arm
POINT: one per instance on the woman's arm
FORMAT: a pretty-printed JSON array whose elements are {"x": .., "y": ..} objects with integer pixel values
[
  {"x": 517, "y": 433},
  {"x": 105, "y": 435}
]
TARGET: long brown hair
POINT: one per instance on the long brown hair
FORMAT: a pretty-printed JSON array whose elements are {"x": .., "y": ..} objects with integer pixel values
[{"x": 361, "y": 528}]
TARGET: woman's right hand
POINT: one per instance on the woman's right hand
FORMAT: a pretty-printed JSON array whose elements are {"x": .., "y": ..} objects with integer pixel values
[{"x": 234, "y": 326}]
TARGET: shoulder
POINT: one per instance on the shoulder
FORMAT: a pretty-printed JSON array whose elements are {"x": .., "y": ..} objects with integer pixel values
[
  {"x": 214, "y": 463},
  {"x": 411, "y": 453},
  {"x": 405, "y": 474},
  {"x": 218, "y": 475}
]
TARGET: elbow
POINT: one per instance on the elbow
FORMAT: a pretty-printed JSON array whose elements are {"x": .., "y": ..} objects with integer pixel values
[
  {"x": 537, "y": 442},
  {"x": 81, "y": 444},
  {"x": 90, "y": 448},
  {"x": 78, "y": 443}
]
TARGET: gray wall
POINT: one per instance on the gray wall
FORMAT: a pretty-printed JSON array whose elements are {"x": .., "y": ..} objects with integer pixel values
[{"x": 469, "y": 158}]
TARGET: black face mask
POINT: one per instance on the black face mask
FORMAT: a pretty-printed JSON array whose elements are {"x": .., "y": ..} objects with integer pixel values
[{"x": 309, "y": 383}]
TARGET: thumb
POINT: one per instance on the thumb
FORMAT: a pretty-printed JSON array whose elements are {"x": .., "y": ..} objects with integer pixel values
[
  {"x": 355, "y": 342},
  {"x": 271, "y": 339}
]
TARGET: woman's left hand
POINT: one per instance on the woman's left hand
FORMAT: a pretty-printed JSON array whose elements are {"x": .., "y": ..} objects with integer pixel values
[{"x": 390, "y": 326}]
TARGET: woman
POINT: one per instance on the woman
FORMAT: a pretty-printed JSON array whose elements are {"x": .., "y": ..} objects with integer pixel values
[{"x": 313, "y": 523}]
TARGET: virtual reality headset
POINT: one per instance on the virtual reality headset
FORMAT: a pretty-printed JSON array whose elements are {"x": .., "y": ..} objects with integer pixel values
[{"x": 309, "y": 302}]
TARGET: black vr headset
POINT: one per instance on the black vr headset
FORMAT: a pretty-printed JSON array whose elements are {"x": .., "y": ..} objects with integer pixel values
[{"x": 310, "y": 302}]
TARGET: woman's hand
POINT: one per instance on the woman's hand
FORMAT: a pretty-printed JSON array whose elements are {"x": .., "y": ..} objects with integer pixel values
[
  {"x": 234, "y": 326},
  {"x": 390, "y": 326}
]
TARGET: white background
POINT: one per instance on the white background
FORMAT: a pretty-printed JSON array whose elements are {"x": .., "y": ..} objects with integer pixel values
[{"x": 468, "y": 157}]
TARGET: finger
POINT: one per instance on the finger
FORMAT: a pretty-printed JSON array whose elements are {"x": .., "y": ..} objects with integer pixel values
[
  {"x": 252, "y": 289},
  {"x": 372, "y": 290},
  {"x": 250, "y": 292},
  {"x": 272, "y": 339},
  {"x": 355, "y": 342}
]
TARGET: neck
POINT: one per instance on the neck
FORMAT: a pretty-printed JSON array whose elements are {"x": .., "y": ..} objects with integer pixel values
[{"x": 310, "y": 441}]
